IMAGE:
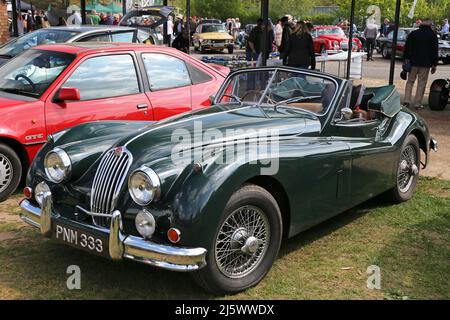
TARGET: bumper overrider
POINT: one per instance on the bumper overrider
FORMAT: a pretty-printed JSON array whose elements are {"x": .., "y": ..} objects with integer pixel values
[{"x": 120, "y": 246}]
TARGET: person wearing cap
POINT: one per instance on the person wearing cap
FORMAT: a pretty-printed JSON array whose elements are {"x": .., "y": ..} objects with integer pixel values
[{"x": 422, "y": 52}]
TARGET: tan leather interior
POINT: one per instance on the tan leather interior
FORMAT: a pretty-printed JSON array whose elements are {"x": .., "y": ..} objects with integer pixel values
[{"x": 310, "y": 106}]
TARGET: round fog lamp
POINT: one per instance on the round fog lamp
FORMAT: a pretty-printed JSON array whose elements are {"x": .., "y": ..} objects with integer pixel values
[
  {"x": 145, "y": 224},
  {"x": 39, "y": 192}
]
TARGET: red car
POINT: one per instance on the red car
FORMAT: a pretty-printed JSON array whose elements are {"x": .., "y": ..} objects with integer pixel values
[
  {"x": 332, "y": 38},
  {"x": 52, "y": 87}
]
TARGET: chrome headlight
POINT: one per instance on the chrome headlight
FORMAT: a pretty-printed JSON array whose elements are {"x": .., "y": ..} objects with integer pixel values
[
  {"x": 39, "y": 191},
  {"x": 144, "y": 186},
  {"x": 57, "y": 165}
]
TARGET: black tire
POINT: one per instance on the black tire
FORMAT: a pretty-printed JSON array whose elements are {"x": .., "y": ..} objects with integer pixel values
[
  {"x": 215, "y": 280},
  {"x": 230, "y": 50},
  {"x": 385, "y": 52},
  {"x": 10, "y": 171},
  {"x": 439, "y": 95},
  {"x": 401, "y": 193},
  {"x": 446, "y": 60}
]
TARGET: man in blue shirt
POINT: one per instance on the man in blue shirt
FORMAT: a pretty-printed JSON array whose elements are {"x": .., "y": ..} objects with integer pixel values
[{"x": 445, "y": 30}]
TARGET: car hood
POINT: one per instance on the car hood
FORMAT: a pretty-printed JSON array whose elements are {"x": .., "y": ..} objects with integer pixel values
[
  {"x": 215, "y": 36},
  {"x": 6, "y": 102},
  {"x": 214, "y": 125}
]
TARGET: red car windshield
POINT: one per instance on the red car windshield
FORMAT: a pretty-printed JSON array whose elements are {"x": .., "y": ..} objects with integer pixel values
[
  {"x": 31, "y": 73},
  {"x": 330, "y": 31}
]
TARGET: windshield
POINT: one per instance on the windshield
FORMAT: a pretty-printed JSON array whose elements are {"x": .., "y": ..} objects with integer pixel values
[
  {"x": 279, "y": 89},
  {"x": 213, "y": 28},
  {"x": 32, "y": 72},
  {"x": 331, "y": 31},
  {"x": 43, "y": 36}
]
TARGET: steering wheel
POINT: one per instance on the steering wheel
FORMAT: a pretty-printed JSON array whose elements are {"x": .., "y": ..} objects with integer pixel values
[
  {"x": 233, "y": 96},
  {"x": 27, "y": 79}
]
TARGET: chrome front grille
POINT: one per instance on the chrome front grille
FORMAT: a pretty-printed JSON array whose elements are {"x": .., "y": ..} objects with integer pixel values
[{"x": 108, "y": 181}]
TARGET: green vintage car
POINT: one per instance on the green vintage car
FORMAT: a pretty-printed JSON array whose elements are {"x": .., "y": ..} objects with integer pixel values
[{"x": 215, "y": 191}]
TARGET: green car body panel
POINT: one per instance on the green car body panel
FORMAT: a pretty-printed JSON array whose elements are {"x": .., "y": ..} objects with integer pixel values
[{"x": 325, "y": 166}]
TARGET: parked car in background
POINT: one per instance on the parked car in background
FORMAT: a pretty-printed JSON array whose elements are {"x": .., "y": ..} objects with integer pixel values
[
  {"x": 332, "y": 38},
  {"x": 217, "y": 206},
  {"x": 385, "y": 45},
  {"x": 212, "y": 36},
  {"x": 52, "y": 87},
  {"x": 149, "y": 19},
  {"x": 71, "y": 34}
]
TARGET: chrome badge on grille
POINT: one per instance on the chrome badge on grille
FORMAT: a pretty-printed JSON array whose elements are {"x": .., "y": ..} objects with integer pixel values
[{"x": 118, "y": 151}]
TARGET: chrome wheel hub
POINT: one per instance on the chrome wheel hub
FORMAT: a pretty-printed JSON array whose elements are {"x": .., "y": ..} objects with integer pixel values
[
  {"x": 242, "y": 242},
  {"x": 6, "y": 172},
  {"x": 408, "y": 169}
]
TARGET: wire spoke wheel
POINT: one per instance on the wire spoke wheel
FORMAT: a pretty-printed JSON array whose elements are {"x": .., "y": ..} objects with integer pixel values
[
  {"x": 6, "y": 172},
  {"x": 242, "y": 242},
  {"x": 408, "y": 168}
]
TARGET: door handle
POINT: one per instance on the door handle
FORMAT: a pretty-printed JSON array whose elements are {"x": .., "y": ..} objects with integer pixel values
[{"x": 142, "y": 106}]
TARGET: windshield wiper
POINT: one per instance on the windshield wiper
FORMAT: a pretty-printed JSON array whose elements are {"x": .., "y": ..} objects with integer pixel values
[
  {"x": 18, "y": 91},
  {"x": 296, "y": 99}
]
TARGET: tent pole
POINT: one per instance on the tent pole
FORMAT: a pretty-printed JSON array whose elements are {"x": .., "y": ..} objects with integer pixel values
[
  {"x": 394, "y": 41},
  {"x": 265, "y": 17},
  {"x": 124, "y": 7},
  {"x": 188, "y": 24},
  {"x": 350, "y": 39},
  {"x": 14, "y": 19},
  {"x": 83, "y": 11}
]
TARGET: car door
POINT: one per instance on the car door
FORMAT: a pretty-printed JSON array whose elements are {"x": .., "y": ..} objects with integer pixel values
[
  {"x": 169, "y": 83},
  {"x": 110, "y": 89},
  {"x": 371, "y": 153}
]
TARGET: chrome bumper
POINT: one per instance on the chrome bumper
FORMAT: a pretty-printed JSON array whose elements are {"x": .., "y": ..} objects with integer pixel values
[
  {"x": 434, "y": 144},
  {"x": 120, "y": 245}
]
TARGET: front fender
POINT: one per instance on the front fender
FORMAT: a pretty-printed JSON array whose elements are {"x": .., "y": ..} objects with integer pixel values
[{"x": 199, "y": 203}]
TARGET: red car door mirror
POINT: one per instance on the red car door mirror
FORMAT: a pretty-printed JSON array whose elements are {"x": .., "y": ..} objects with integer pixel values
[{"x": 68, "y": 94}]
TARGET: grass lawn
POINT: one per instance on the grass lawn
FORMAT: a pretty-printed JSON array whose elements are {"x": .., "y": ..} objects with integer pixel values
[{"x": 409, "y": 242}]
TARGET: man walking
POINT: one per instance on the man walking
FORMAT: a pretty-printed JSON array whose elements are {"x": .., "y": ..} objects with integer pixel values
[
  {"x": 421, "y": 50},
  {"x": 370, "y": 33},
  {"x": 445, "y": 30}
]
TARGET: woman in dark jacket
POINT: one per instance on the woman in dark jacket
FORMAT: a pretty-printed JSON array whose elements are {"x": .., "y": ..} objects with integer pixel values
[{"x": 300, "y": 48}]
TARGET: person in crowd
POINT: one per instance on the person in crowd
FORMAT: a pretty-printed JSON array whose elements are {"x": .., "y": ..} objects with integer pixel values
[
  {"x": 421, "y": 50},
  {"x": 109, "y": 19},
  {"x": 309, "y": 27},
  {"x": 20, "y": 25},
  {"x": 370, "y": 34},
  {"x": 45, "y": 22},
  {"x": 385, "y": 27},
  {"x": 278, "y": 33},
  {"x": 178, "y": 28},
  {"x": 181, "y": 42},
  {"x": 61, "y": 22},
  {"x": 31, "y": 24},
  {"x": 417, "y": 23},
  {"x": 444, "y": 30},
  {"x": 300, "y": 48},
  {"x": 95, "y": 18},
  {"x": 255, "y": 40},
  {"x": 284, "y": 37},
  {"x": 102, "y": 19},
  {"x": 170, "y": 26},
  {"x": 39, "y": 21},
  {"x": 74, "y": 18}
]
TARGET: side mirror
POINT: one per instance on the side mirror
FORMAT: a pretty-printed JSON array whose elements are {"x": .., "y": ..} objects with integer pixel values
[
  {"x": 346, "y": 113},
  {"x": 68, "y": 94}
]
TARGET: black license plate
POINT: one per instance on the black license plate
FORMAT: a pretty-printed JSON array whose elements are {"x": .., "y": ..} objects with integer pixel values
[{"x": 87, "y": 240}]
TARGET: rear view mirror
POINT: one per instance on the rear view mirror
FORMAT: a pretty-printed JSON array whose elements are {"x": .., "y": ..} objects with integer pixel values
[{"x": 68, "y": 94}]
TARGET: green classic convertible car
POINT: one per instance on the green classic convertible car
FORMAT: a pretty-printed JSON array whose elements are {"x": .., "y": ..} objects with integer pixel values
[{"x": 215, "y": 191}]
